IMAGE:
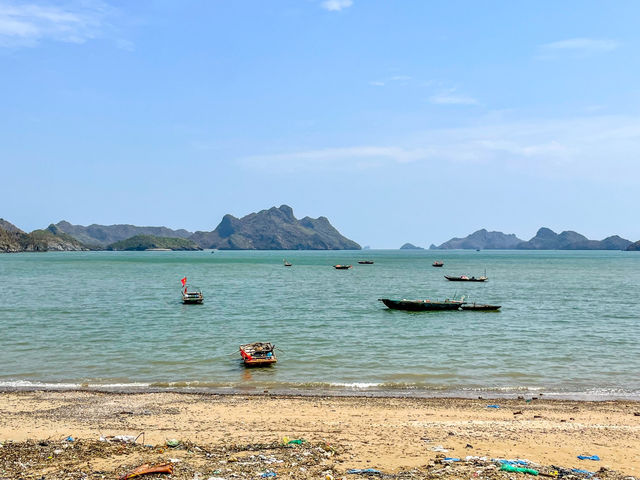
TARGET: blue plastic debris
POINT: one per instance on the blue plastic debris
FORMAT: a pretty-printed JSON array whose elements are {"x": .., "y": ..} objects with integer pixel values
[
  {"x": 269, "y": 474},
  {"x": 365, "y": 471},
  {"x": 493, "y": 406},
  {"x": 513, "y": 462},
  {"x": 589, "y": 457},
  {"x": 69, "y": 439},
  {"x": 450, "y": 459}
]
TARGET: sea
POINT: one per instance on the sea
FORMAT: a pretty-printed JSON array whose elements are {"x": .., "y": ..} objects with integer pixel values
[{"x": 569, "y": 326}]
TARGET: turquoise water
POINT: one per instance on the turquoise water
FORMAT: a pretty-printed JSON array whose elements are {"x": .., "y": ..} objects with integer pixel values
[{"x": 569, "y": 325}]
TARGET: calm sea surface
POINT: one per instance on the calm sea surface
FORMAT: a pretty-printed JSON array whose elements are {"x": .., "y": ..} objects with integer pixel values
[{"x": 569, "y": 324}]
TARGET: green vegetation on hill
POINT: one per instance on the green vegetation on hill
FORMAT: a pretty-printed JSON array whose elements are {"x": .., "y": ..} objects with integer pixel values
[
  {"x": 274, "y": 229},
  {"x": 12, "y": 239},
  {"x": 146, "y": 242}
]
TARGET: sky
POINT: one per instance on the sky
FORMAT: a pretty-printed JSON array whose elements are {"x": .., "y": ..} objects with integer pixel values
[{"x": 405, "y": 121}]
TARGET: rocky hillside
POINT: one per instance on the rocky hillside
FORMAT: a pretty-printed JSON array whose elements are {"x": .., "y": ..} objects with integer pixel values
[
  {"x": 546, "y": 239},
  {"x": 12, "y": 239},
  {"x": 149, "y": 242},
  {"x": 274, "y": 229},
  {"x": 482, "y": 239},
  {"x": 103, "y": 235}
]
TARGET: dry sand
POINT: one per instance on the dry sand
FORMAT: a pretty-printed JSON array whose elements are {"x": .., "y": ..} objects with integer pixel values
[{"x": 389, "y": 434}]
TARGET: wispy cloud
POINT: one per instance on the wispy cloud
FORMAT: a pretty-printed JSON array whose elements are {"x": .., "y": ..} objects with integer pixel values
[
  {"x": 27, "y": 24},
  {"x": 451, "y": 97},
  {"x": 577, "y": 46},
  {"x": 336, "y": 5},
  {"x": 601, "y": 148},
  {"x": 377, "y": 83}
]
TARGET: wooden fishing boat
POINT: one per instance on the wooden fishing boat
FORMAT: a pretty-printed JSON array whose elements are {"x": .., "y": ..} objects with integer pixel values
[
  {"x": 422, "y": 305},
  {"x": 365, "y": 262},
  {"x": 342, "y": 267},
  {"x": 192, "y": 295},
  {"x": 479, "y": 307},
  {"x": 437, "y": 264},
  {"x": 464, "y": 278},
  {"x": 286, "y": 264},
  {"x": 258, "y": 354}
]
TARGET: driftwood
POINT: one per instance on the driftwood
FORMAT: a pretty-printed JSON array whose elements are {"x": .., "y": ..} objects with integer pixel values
[{"x": 147, "y": 469}]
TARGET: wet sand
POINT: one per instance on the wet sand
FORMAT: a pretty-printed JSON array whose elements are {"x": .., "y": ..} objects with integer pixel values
[{"x": 392, "y": 435}]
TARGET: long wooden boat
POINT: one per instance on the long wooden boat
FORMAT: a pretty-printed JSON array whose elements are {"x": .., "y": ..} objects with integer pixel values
[
  {"x": 480, "y": 307},
  {"x": 464, "y": 278},
  {"x": 342, "y": 267},
  {"x": 192, "y": 295},
  {"x": 437, "y": 264},
  {"x": 422, "y": 305},
  {"x": 258, "y": 354},
  {"x": 365, "y": 262}
]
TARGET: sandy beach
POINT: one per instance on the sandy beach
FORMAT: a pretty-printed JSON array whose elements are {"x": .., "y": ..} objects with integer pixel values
[{"x": 390, "y": 435}]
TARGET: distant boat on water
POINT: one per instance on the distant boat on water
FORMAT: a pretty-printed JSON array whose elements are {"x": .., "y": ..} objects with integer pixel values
[
  {"x": 464, "y": 278},
  {"x": 191, "y": 295},
  {"x": 422, "y": 305},
  {"x": 286, "y": 264},
  {"x": 342, "y": 267},
  {"x": 437, "y": 264},
  {"x": 365, "y": 262}
]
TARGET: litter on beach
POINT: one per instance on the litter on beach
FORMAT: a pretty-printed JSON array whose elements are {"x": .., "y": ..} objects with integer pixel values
[
  {"x": 147, "y": 469},
  {"x": 589, "y": 457}
]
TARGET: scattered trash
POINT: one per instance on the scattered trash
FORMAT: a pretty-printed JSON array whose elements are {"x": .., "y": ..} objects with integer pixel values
[
  {"x": 585, "y": 472},
  {"x": 296, "y": 442},
  {"x": 589, "y": 457},
  {"x": 439, "y": 448},
  {"x": 519, "y": 412},
  {"x": 450, "y": 459},
  {"x": 468, "y": 445},
  {"x": 493, "y": 406},
  {"x": 268, "y": 474},
  {"x": 173, "y": 443},
  {"x": 365, "y": 471},
  {"x": 147, "y": 469},
  {"x": 511, "y": 468},
  {"x": 69, "y": 439}
]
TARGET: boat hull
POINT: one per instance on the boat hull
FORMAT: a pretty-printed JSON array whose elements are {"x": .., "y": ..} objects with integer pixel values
[
  {"x": 420, "y": 305},
  {"x": 481, "y": 308},
  {"x": 463, "y": 279}
]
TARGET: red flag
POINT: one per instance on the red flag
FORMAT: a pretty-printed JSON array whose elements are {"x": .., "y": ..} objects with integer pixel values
[{"x": 184, "y": 281}]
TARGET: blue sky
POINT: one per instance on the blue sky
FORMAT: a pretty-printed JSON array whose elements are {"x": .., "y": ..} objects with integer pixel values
[{"x": 406, "y": 121}]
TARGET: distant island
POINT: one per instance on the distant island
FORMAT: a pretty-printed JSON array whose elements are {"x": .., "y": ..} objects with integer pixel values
[
  {"x": 272, "y": 229},
  {"x": 410, "y": 246},
  {"x": 545, "y": 239},
  {"x": 150, "y": 242}
]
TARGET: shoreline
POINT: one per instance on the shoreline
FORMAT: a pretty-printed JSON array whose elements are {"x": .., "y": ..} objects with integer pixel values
[
  {"x": 387, "y": 433},
  {"x": 338, "y": 392}
]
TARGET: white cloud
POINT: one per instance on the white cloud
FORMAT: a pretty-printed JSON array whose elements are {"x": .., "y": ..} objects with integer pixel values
[
  {"x": 26, "y": 24},
  {"x": 336, "y": 5},
  {"x": 377, "y": 83},
  {"x": 601, "y": 148},
  {"x": 450, "y": 97},
  {"x": 578, "y": 46}
]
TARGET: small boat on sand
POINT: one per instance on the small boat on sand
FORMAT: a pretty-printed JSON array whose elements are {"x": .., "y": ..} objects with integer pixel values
[
  {"x": 437, "y": 264},
  {"x": 465, "y": 278},
  {"x": 342, "y": 267},
  {"x": 365, "y": 262},
  {"x": 422, "y": 305},
  {"x": 480, "y": 307},
  {"x": 258, "y": 354}
]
